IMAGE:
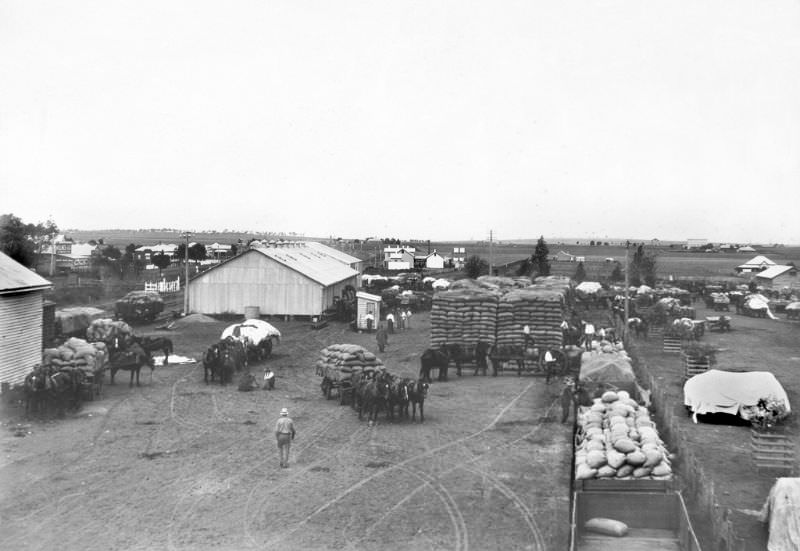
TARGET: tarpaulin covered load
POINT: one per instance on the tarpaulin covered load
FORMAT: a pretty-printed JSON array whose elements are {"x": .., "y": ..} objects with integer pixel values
[
  {"x": 254, "y": 329},
  {"x": 106, "y": 329},
  {"x": 77, "y": 320},
  {"x": 732, "y": 392},
  {"x": 614, "y": 367},
  {"x": 588, "y": 287},
  {"x": 782, "y": 511}
]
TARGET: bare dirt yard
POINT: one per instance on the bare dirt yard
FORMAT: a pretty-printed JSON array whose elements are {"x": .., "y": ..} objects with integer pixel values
[
  {"x": 178, "y": 464},
  {"x": 719, "y": 476}
]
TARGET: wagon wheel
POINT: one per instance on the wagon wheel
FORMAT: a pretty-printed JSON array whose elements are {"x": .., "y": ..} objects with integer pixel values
[
  {"x": 342, "y": 395},
  {"x": 324, "y": 386},
  {"x": 329, "y": 390}
]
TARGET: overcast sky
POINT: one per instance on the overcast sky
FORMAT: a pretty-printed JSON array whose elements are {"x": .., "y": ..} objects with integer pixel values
[{"x": 434, "y": 120}]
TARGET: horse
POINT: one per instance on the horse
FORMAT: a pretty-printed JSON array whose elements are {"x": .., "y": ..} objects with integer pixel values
[
  {"x": 154, "y": 344},
  {"x": 639, "y": 326},
  {"x": 397, "y": 396},
  {"x": 433, "y": 358},
  {"x": 35, "y": 389},
  {"x": 482, "y": 350},
  {"x": 417, "y": 392},
  {"x": 373, "y": 397},
  {"x": 212, "y": 362},
  {"x": 64, "y": 389},
  {"x": 238, "y": 351},
  {"x": 132, "y": 359}
]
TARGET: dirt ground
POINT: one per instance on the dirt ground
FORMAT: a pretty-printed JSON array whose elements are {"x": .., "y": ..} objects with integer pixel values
[
  {"x": 178, "y": 464},
  {"x": 719, "y": 454}
]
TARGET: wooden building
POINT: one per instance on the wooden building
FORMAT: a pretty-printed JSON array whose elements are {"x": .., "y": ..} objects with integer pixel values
[
  {"x": 778, "y": 277},
  {"x": 367, "y": 303},
  {"x": 286, "y": 279},
  {"x": 21, "y": 314}
]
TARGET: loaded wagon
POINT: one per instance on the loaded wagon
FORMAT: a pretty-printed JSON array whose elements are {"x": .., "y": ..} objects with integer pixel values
[
  {"x": 718, "y": 323},
  {"x": 337, "y": 364},
  {"x": 139, "y": 306}
]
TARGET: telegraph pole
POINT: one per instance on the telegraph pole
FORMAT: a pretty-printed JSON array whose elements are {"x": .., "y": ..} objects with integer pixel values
[
  {"x": 186, "y": 235},
  {"x": 491, "y": 254},
  {"x": 627, "y": 284}
]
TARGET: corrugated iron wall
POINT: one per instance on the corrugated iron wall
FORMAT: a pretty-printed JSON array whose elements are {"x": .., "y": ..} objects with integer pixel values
[
  {"x": 20, "y": 335},
  {"x": 256, "y": 280}
]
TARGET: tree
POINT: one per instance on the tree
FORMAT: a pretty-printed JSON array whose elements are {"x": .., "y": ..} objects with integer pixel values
[
  {"x": 643, "y": 268},
  {"x": 591, "y": 243},
  {"x": 616, "y": 273},
  {"x": 541, "y": 258},
  {"x": 15, "y": 240},
  {"x": 475, "y": 266},
  {"x": 161, "y": 261},
  {"x": 580, "y": 273},
  {"x": 197, "y": 252}
]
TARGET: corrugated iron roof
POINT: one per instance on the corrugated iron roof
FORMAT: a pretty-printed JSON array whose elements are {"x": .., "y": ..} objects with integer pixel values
[
  {"x": 330, "y": 251},
  {"x": 312, "y": 263},
  {"x": 15, "y": 277},
  {"x": 757, "y": 261},
  {"x": 774, "y": 271}
]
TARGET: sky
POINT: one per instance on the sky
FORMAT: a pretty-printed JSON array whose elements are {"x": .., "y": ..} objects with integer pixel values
[{"x": 442, "y": 120}]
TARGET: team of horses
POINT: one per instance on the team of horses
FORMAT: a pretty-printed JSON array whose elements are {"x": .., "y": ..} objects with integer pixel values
[
  {"x": 230, "y": 355},
  {"x": 374, "y": 392}
]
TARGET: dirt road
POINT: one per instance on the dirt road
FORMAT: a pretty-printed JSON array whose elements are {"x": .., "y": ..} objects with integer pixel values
[{"x": 177, "y": 464}]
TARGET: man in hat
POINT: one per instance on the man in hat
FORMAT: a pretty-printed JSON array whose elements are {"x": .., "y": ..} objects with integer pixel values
[
  {"x": 284, "y": 432},
  {"x": 381, "y": 337}
]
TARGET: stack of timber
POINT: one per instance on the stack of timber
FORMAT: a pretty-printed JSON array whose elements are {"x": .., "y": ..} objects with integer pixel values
[
  {"x": 464, "y": 316},
  {"x": 339, "y": 361},
  {"x": 541, "y": 308}
]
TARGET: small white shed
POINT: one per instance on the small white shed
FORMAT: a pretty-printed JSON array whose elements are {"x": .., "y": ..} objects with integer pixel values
[{"x": 367, "y": 303}]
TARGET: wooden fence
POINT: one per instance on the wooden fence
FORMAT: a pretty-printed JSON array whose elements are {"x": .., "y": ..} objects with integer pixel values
[{"x": 163, "y": 286}]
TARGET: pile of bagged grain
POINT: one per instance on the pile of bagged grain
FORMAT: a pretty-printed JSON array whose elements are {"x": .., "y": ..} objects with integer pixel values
[
  {"x": 76, "y": 353},
  {"x": 542, "y": 309},
  {"x": 617, "y": 439},
  {"x": 464, "y": 316},
  {"x": 105, "y": 329},
  {"x": 339, "y": 361}
]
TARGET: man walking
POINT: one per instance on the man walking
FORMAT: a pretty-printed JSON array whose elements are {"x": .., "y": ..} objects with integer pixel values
[
  {"x": 284, "y": 432},
  {"x": 381, "y": 337}
]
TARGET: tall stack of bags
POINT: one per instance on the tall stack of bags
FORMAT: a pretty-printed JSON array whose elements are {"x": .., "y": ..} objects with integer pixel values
[
  {"x": 339, "y": 361},
  {"x": 464, "y": 317},
  {"x": 76, "y": 353},
  {"x": 617, "y": 439},
  {"x": 105, "y": 329},
  {"x": 541, "y": 309}
]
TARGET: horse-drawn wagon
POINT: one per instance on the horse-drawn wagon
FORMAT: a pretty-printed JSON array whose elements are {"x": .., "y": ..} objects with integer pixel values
[
  {"x": 718, "y": 323},
  {"x": 337, "y": 364},
  {"x": 139, "y": 306},
  {"x": 551, "y": 362}
]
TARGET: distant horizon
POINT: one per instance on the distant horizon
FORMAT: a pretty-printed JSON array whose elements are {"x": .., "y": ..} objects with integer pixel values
[{"x": 613, "y": 241}]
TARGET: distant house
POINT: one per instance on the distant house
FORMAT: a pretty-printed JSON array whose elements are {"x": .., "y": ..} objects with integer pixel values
[
  {"x": 777, "y": 277},
  {"x": 434, "y": 261},
  {"x": 756, "y": 264},
  {"x": 745, "y": 249},
  {"x": 562, "y": 256},
  {"x": 727, "y": 247},
  {"x": 69, "y": 257},
  {"x": 696, "y": 243},
  {"x": 21, "y": 319},
  {"x": 399, "y": 259}
]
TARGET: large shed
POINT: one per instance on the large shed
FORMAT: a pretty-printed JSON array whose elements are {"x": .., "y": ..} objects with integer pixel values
[
  {"x": 290, "y": 279},
  {"x": 21, "y": 304}
]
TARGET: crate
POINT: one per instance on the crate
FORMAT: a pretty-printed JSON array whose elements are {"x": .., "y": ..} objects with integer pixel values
[
  {"x": 772, "y": 452},
  {"x": 694, "y": 366},
  {"x": 672, "y": 345}
]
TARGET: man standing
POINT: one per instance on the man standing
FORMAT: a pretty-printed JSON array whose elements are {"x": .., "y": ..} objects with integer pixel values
[
  {"x": 390, "y": 322},
  {"x": 408, "y": 319},
  {"x": 284, "y": 432},
  {"x": 381, "y": 337},
  {"x": 269, "y": 379}
]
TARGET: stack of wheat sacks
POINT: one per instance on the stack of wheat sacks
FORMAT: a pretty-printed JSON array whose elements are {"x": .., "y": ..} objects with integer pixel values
[
  {"x": 541, "y": 309},
  {"x": 76, "y": 353},
  {"x": 617, "y": 439},
  {"x": 105, "y": 329},
  {"x": 339, "y": 361},
  {"x": 464, "y": 317}
]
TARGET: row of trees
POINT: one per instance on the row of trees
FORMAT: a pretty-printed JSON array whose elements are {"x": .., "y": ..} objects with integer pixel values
[
  {"x": 24, "y": 241},
  {"x": 642, "y": 266}
]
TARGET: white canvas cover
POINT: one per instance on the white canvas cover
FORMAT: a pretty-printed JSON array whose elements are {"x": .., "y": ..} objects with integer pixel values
[
  {"x": 441, "y": 284},
  {"x": 612, "y": 367},
  {"x": 793, "y": 306},
  {"x": 782, "y": 511},
  {"x": 254, "y": 329},
  {"x": 588, "y": 287},
  {"x": 717, "y": 391}
]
